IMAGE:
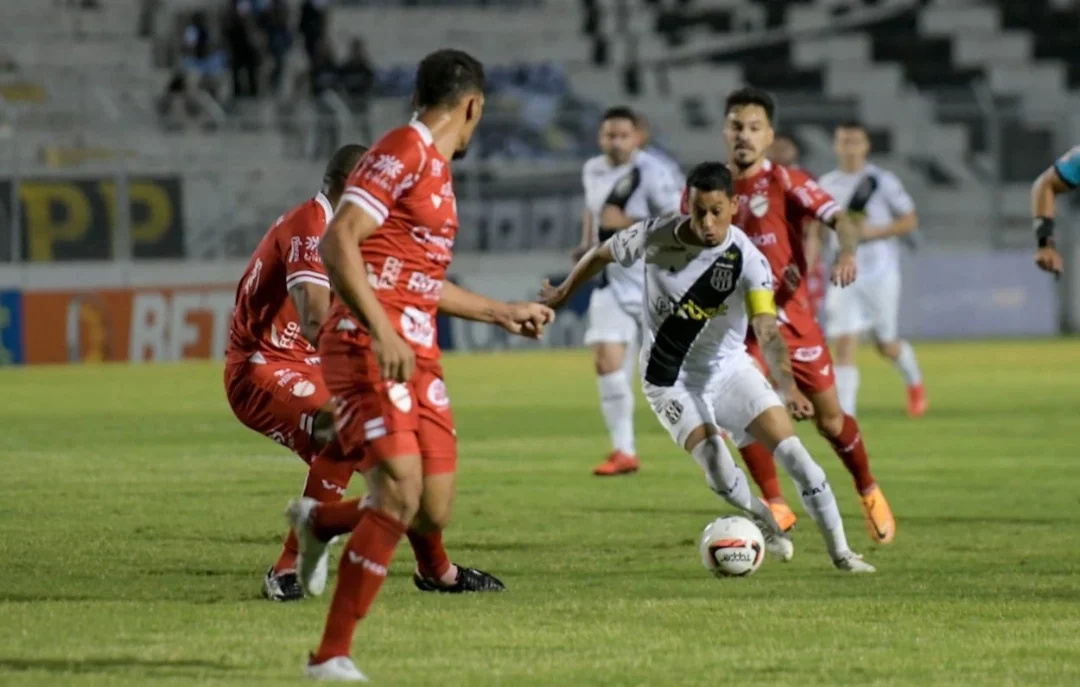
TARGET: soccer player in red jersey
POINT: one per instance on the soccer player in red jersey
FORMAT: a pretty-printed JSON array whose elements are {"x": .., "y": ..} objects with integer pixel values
[
  {"x": 387, "y": 251},
  {"x": 272, "y": 376},
  {"x": 774, "y": 203}
]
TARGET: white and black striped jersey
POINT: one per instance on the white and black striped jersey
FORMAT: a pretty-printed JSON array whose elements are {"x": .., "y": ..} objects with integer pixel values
[
  {"x": 697, "y": 300},
  {"x": 643, "y": 187}
]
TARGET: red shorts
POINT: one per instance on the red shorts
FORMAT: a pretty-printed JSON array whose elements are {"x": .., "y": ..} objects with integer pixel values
[
  {"x": 811, "y": 361},
  {"x": 279, "y": 400},
  {"x": 378, "y": 420}
]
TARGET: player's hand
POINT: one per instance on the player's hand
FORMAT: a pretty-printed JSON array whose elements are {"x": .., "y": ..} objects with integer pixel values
[
  {"x": 798, "y": 405},
  {"x": 843, "y": 270},
  {"x": 527, "y": 319},
  {"x": 1049, "y": 260},
  {"x": 551, "y": 296},
  {"x": 579, "y": 252},
  {"x": 396, "y": 358}
]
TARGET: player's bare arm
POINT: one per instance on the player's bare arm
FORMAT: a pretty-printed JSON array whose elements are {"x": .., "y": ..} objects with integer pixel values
[
  {"x": 1044, "y": 192},
  {"x": 613, "y": 218},
  {"x": 590, "y": 265},
  {"x": 524, "y": 319},
  {"x": 778, "y": 359},
  {"x": 847, "y": 234},
  {"x": 312, "y": 303},
  {"x": 587, "y": 240},
  {"x": 340, "y": 250},
  {"x": 904, "y": 224}
]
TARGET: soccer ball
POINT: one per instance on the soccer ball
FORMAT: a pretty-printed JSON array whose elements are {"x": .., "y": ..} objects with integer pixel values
[{"x": 732, "y": 546}]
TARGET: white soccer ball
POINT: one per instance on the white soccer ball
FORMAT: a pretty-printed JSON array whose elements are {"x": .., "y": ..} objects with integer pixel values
[{"x": 732, "y": 546}]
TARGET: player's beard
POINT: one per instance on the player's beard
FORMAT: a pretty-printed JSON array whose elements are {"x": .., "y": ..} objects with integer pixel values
[
  {"x": 742, "y": 163},
  {"x": 458, "y": 154}
]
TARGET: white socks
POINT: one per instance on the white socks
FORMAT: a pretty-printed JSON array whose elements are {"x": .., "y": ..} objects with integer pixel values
[
  {"x": 907, "y": 365},
  {"x": 814, "y": 491},
  {"x": 617, "y": 406},
  {"x": 847, "y": 387},
  {"x": 728, "y": 480}
]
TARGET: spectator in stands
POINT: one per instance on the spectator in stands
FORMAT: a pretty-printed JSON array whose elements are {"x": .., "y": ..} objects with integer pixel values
[
  {"x": 313, "y": 25},
  {"x": 241, "y": 35},
  {"x": 358, "y": 82},
  {"x": 325, "y": 81},
  {"x": 275, "y": 24}
]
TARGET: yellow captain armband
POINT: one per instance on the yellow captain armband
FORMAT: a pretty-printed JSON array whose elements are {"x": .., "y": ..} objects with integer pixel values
[{"x": 760, "y": 302}]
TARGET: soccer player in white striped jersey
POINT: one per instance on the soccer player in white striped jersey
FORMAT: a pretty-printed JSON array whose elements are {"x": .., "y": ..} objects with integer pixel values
[
  {"x": 705, "y": 281},
  {"x": 622, "y": 186},
  {"x": 885, "y": 213}
]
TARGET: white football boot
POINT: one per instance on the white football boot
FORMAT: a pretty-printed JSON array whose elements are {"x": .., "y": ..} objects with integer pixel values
[
  {"x": 337, "y": 669},
  {"x": 853, "y": 562},
  {"x": 313, "y": 562},
  {"x": 777, "y": 542}
]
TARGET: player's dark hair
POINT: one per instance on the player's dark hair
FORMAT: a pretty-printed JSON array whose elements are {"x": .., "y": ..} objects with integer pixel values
[
  {"x": 445, "y": 77},
  {"x": 341, "y": 165},
  {"x": 751, "y": 96},
  {"x": 853, "y": 124},
  {"x": 783, "y": 135},
  {"x": 711, "y": 176},
  {"x": 621, "y": 112}
]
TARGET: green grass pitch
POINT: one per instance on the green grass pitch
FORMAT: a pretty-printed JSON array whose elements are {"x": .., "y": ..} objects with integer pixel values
[{"x": 137, "y": 518}]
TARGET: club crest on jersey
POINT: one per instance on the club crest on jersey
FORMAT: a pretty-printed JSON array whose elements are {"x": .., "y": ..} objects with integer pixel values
[
  {"x": 759, "y": 204},
  {"x": 436, "y": 394},
  {"x": 400, "y": 396},
  {"x": 723, "y": 276}
]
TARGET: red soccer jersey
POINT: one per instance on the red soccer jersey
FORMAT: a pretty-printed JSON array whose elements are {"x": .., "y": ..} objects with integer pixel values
[
  {"x": 265, "y": 325},
  {"x": 404, "y": 183},
  {"x": 774, "y": 206}
]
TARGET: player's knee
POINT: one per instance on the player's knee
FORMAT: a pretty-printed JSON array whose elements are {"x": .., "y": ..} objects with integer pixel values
[
  {"x": 830, "y": 421},
  {"x": 607, "y": 359},
  {"x": 435, "y": 515},
  {"x": 888, "y": 349},
  {"x": 400, "y": 495}
]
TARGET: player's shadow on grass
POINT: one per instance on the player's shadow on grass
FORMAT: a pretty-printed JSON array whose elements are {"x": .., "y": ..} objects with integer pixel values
[{"x": 108, "y": 665}]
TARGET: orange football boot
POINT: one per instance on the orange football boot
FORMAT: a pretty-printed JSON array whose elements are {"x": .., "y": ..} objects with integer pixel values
[
  {"x": 916, "y": 400},
  {"x": 879, "y": 517},
  {"x": 618, "y": 463},
  {"x": 785, "y": 517}
]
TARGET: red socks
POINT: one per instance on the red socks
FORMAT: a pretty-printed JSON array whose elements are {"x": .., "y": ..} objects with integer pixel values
[
  {"x": 431, "y": 558},
  {"x": 326, "y": 483},
  {"x": 762, "y": 469},
  {"x": 360, "y": 575},
  {"x": 333, "y": 519},
  {"x": 851, "y": 451}
]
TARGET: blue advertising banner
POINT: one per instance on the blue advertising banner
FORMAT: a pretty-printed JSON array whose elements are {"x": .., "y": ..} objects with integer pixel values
[{"x": 11, "y": 340}]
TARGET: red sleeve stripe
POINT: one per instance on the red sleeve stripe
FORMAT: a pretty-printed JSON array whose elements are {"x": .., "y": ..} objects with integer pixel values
[
  {"x": 367, "y": 202},
  {"x": 306, "y": 276},
  {"x": 826, "y": 211}
]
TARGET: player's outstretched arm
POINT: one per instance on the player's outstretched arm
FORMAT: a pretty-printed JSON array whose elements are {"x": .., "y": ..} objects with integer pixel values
[
  {"x": 590, "y": 265},
  {"x": 340, "y": 250},
  {"x": 904, "y": 224},
  {"x": 847, "y": 234},
  {"x": 312, "y": 303},
  {"x": 524, "y": 319},
  {"x": 777, "y": 358},
  {"x": 1044, "y": 191}
]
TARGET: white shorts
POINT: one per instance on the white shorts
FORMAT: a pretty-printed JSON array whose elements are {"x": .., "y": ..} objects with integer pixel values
[
  {"x": 868, "y": 304},
  {"x": 730, "y": 399},
  {"x": 611, "y": 321}
]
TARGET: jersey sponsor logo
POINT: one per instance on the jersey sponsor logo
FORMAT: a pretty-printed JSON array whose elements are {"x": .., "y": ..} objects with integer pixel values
[
  {"x": 303, "y": 389},
  {"x": 400, "y": 396},
  {"x": 768, "y": 239},
  {"x": 759, "y": 205},
  {"x": 807, "y": 354},
  {"x": 692, "y": 311},
  {"x": 404, "y": 185},
  {"x": 416, "y": 326},
  {"x": 252, "y": 282},
  {"x": 371, "y": 566},
  {"x": 294, "y": 250},
  {"x": 429, "y": 287},
  {"x": 387, "y": 278},
  {"x": 436, "y": 200},
  {"x": 665, "y": 307},
  {"x": 388, "y": 166},
  {"x": 311, "y": 249},
  {"x": 825, "y": 370},
  {"x": 673, "y": 410},
  {"x": 436, "y": 394},
  {"x": 286, "y": 339},
  {"x": 286, "y": 376},
  {"x": 436, "y": 168}
]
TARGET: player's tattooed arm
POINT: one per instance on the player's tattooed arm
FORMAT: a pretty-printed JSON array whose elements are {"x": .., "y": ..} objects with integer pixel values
[
  {"x": 340, "y": 251},
  {"x": 524, "y": 319},
  {"x": 847, "y": 234},
  {"x": 778, "y": 359},
  {"x": 312, "y": 303},
  {"x": 1044, "y": 191}
]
